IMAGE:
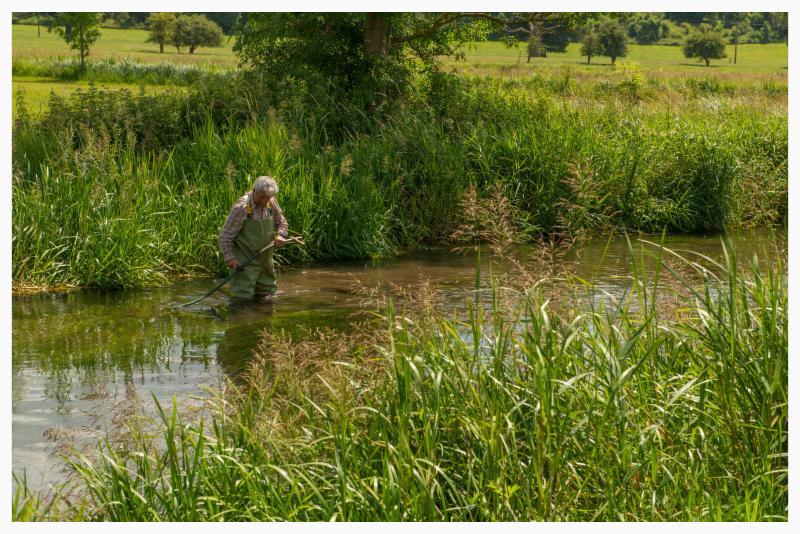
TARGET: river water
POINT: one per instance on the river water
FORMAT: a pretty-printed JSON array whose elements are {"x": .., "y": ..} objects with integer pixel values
[{"x": 82, "y": 359}]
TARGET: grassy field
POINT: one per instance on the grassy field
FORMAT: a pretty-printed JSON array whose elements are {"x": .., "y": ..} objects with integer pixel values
[
  {"x": 116, "y": 44},
  {"x": 655, "y": 60},
  {"x": 757, "y": 64},
  {"x": 37, "y": 90}
]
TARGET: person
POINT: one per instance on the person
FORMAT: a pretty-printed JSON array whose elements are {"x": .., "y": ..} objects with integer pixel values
[{"x": 252, "y": 223}]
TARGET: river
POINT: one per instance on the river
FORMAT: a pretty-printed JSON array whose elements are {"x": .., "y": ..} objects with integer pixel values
[{"x": 82, "y": 360}]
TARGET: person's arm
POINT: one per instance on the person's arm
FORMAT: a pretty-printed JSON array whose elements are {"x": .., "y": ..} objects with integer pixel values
[
  {"x": 233, "y": 224},
  {"x": 280, "y": 221}
]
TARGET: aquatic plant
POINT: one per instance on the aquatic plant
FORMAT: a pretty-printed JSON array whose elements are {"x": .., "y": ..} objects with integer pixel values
[{"x": 137, "y": 186}]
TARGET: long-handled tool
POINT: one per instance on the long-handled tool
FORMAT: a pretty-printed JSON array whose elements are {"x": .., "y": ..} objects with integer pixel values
[{"x": 239, "y": 269}]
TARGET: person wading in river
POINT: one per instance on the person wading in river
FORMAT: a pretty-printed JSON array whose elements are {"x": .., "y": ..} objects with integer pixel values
[{"x": 251, "y": 225}]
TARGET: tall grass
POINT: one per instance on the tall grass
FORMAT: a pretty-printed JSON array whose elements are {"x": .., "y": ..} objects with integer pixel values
[
  {"x": 627, "y": 409},
  {"x": 136, "y": 187}
]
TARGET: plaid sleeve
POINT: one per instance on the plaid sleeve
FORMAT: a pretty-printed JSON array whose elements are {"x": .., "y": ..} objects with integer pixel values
[
  {"x": 233, "y": 224},
  {"x": 280, "y": 221}
]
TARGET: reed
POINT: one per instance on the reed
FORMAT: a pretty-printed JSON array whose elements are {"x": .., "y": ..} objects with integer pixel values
[{"x": 136, "y": 187}]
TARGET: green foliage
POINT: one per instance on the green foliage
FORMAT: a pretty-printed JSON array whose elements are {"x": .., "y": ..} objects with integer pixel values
[
  {"x": 161, "y": 27},
  {"x": 79, "y": 31},
  {"x": 705, "y": 44},
  {"x": 119, "y": 71},
  {"x": 556, "y": 42},
  {"x": 613, "y": 40},
  {"x": 376, "y": 184},
  {"x": 536, "y": 47},
  {"x": 193, "y": 31},
  {"x": 591, "y": 46},
  {"x": 370, "y": 57},
  {"x": 648, "y": 28}
]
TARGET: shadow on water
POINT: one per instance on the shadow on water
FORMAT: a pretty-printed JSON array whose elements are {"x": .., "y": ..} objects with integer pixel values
[{"x": 78, "y": 356}]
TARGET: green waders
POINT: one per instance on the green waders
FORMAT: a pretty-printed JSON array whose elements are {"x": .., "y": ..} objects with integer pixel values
[{"x": 257, "y": 278}]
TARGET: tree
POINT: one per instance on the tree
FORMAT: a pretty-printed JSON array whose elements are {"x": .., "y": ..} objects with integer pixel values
[
  {"x": 647, "y": 29},
  {"x": 161, "y": 26},
  {"x": 195, "y": 31},
  {"x": 373, "y": 55},
  {"x": 704, "y": 43},
  {"x": 737, "y": 31},
  {"x": 226, "y": 20},
  {"x": 536, "y": 47},
  {"x": 613, "y": 40},
  {"x": 556, "y": 41},
  {"x": 591, "y": 46},
  {"x": 79, "y": 31}
]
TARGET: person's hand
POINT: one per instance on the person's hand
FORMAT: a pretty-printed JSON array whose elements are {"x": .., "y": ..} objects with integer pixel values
[
  {"x": 233, "y": 263},
  {"x": 279, "y": 242}
]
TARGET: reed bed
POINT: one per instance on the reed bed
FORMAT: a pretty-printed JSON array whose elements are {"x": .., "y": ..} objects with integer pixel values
[
  {"x": 618, "y": 411},
  {"x": 136, "y": 187}
]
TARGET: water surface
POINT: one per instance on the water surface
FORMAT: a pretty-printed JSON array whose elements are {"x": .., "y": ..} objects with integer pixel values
[{"x": 82, "y": 359}]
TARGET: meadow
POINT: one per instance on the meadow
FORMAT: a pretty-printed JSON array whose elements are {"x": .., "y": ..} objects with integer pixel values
[{"x": 116, "y": 44}]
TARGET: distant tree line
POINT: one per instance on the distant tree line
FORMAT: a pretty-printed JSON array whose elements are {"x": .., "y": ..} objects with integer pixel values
[{"x": 671, "y": 29}]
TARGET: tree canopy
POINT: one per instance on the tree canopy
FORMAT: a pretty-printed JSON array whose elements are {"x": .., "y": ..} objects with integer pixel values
[
  {"x": 613, "y": 40},
  {"x": 79, "y": 30},
  {"x": 194, "y": 31},
  {"x": 161, "y": 26},
  {"x": 373, "y": 54},
  {"x": 704, "y": 43}
]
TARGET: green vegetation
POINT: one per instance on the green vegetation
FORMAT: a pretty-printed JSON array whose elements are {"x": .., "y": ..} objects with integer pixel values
[
  {"x": 193, "y": 31},
  {"x": 37, "y": 91},
  {"x": 116, "y": 44},
  {"x": 617, "y": 411},
  {"x": 115, "y": 170},
  {"x": 705, "y": 44},
  {"x": 591, "y": 46},
  {"x": 613, "y": 41},
  {"x": 79, "y": 31},
  {"x": 161, "y": 26},
  {"x": 665, "y": 61},
  {"x": 667, "y": 404}
]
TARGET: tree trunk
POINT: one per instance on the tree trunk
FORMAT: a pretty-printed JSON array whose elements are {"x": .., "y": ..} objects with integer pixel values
[
  {"x": 376, "y": 35},
  {"x": 708, "y": 61},
  {"x": 613, "y": 60},
  {"x": 191, "y": 49},
  {"x": 588, "y": 60},
  {"x": 161, "y": 46},
  {"x": 84, "y": 50}
]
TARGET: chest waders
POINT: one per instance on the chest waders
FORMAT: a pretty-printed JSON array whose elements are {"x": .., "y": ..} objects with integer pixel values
[{"x": 257, "y": 278}]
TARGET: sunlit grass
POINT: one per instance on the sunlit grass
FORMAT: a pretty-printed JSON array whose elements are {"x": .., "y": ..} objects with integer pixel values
[
  {"x": 763, "y": 58},
  {"x": 36, "y": 90},
  {"x": 114, "y": 43}
]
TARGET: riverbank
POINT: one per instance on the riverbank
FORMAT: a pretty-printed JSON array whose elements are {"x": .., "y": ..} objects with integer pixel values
[{"x": 138, "y": 185}]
